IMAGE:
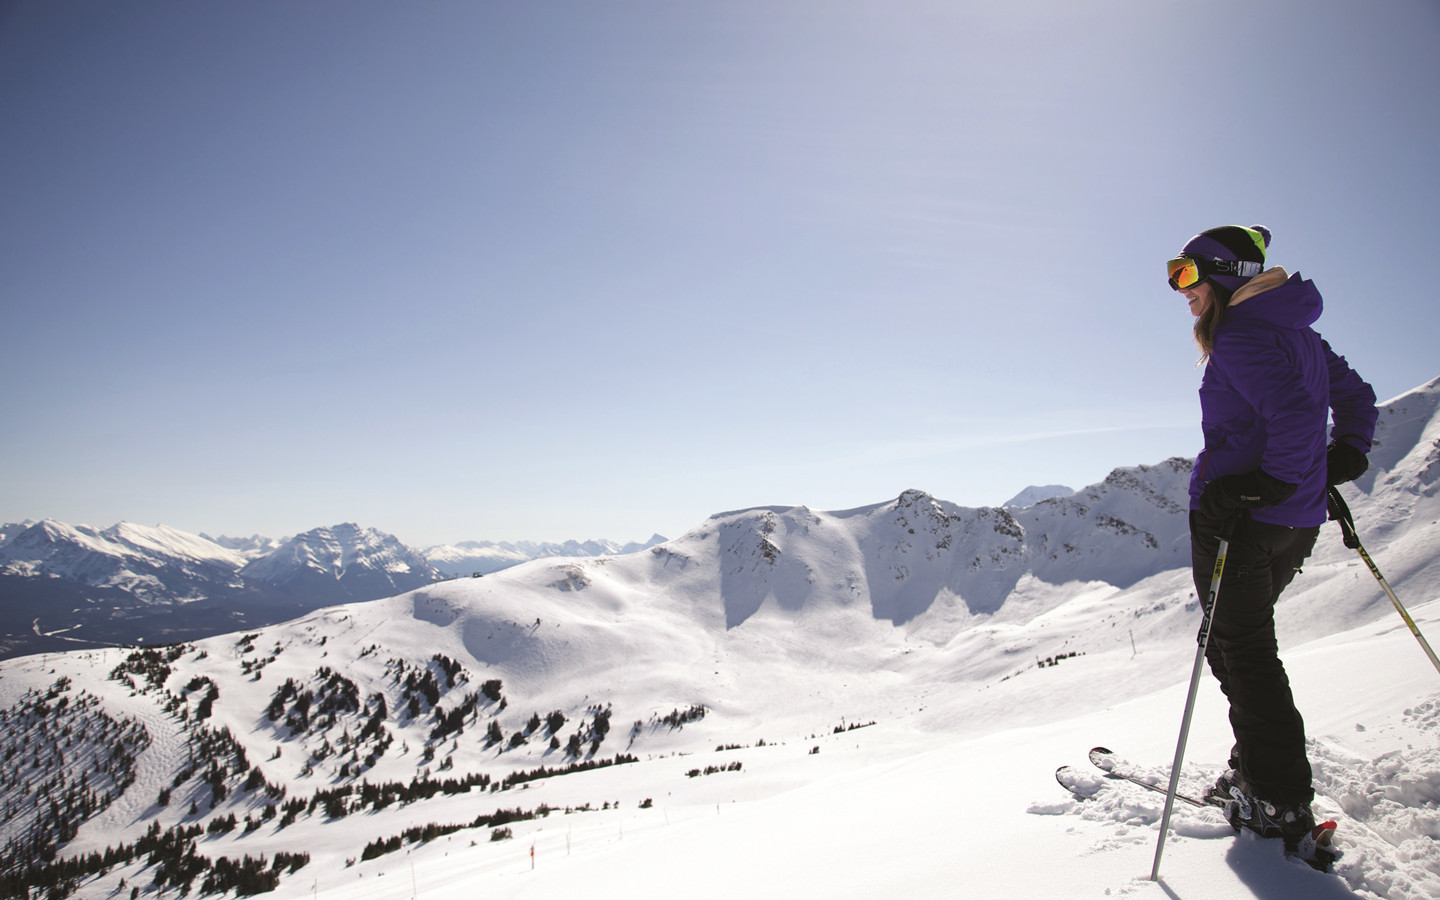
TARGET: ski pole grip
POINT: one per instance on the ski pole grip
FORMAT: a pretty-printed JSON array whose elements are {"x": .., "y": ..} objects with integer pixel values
[{"x": 1340, "y": 512}]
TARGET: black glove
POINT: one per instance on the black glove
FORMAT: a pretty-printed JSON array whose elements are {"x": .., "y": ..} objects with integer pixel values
[
  {"x": 1343, "y": 462},
  {"x": 1227, "y": 495}
]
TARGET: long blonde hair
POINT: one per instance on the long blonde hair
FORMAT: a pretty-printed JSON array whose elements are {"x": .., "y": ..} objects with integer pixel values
[{"x": 1209, "y": 320}]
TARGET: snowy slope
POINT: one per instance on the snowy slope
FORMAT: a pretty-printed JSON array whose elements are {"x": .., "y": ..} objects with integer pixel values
[{"x": 896, "y": 684}]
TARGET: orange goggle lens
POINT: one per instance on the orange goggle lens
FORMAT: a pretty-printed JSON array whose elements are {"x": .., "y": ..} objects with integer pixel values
[{"x": 1183, "y": 273}]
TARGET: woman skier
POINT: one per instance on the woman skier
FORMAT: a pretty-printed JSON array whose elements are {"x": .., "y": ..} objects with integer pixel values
[{"x": 1269, "y": 387}]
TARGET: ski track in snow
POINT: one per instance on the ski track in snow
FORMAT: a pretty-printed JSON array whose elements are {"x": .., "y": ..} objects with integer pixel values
[{"x": 154, "y": 768}]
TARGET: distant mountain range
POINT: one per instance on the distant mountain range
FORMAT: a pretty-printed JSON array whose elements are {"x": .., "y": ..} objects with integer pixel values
[
  {"x": 1035, "y": 493},
  {"x": 73, "y": 586},
  {"x": 484, "y": 557}
]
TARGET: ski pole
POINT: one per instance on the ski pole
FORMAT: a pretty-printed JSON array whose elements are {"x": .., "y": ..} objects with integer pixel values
[
  {"x": 1204, "y": 639},
  {"x": 1340, "y": 512}
]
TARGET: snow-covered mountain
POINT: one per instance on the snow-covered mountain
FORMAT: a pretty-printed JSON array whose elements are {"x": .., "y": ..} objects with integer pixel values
[
  {"x": 63, "y": 585},
  {"x": 134, "y": 558},
  {"x": 485, "y": 557},
  {"x": 77, "y": 584},
  {"x": 252, "y": 547},
  {"x": 855, "y": 703},
  {"x": 1035, "y": 493},
  {"x": 341, "y": 563},
  {"x": 9, "y": 529}
]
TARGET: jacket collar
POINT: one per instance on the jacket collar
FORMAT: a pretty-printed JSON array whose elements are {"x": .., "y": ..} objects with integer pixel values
[{"x": 1265, "y": 281}]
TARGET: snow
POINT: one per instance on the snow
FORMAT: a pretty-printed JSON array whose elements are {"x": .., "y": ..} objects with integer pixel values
[
  {"x": 165, "y": 541},
  {"x": 898, "y": 811},
  {"x": 334, "y": 551},
  {"x": 469, "y": 557},
  {"x": 90, "y": 555},
  {"x": 901, "y": 809},
  {"x": 1036, "y": 492},
  {"x": 891, "y": 741}
]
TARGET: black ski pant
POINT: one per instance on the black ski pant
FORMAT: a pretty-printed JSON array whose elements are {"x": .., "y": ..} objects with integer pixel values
[{"x": 1262, "y": 560}]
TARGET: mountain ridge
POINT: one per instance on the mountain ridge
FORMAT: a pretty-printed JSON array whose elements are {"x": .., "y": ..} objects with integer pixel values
[{"x": 66, "y": 585}]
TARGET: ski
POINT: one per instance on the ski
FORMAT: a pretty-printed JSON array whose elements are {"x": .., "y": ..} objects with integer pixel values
[
  {"x": 1106, "y": 761},
  {"x": 1085, "y": 787},
  {"x": 1315, "y": 849}
]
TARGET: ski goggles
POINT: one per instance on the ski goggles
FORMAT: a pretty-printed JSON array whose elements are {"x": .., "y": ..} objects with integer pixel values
[{"x": 1185, "y": 273}]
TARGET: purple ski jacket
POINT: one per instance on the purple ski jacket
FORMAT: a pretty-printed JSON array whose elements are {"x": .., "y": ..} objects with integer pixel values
[{"x": 1267, "y": 394}]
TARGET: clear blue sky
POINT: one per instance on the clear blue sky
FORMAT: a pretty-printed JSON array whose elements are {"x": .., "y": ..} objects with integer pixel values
[{"x": 542, "y": 270}]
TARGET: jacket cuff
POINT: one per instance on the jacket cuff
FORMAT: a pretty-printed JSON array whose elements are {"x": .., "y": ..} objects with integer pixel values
[{"x": 1355, "y": 441}]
